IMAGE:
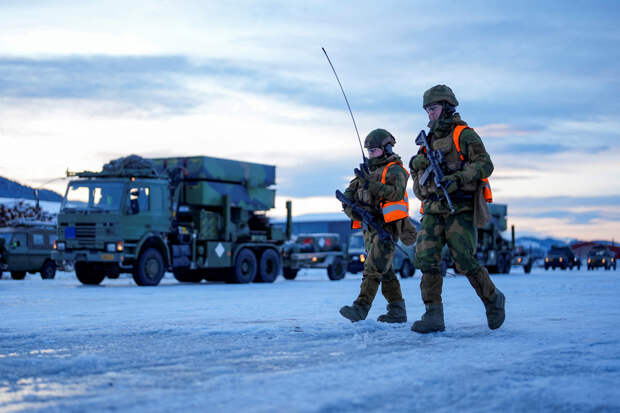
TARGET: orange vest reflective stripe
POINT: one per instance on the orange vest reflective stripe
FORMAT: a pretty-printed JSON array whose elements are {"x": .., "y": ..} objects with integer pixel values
[
  {"x": 486, "y": 185},
  {"x": 392, "y": 211}
]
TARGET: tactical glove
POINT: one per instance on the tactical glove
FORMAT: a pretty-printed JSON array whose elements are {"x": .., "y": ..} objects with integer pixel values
[
  {"x": 418, "y": 163},
  {"x": 451, "y": 182},
  {"x": 363, "y": 175}
]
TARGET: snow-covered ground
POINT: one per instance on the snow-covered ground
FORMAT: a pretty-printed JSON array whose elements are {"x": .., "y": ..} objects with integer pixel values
[{"x": 283, "y": 347}]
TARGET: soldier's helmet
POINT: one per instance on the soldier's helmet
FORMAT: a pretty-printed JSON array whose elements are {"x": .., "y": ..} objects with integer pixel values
[
  {"x": 437, "y": 94},
  {"x": 379, "y": 138}
]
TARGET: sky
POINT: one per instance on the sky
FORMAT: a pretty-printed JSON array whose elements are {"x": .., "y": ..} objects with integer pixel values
[{"x": 85, "y": 82}]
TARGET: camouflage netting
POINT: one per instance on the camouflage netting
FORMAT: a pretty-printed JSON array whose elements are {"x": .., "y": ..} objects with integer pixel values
[
  {"x": 21, "y": 211},
  {"x": 131, "y": 162}
]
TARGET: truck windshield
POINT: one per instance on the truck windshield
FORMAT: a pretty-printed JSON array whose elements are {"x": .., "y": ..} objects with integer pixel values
[
  {"x": 6, "y": 236},
  {"x": 356, "y": 242},
  {"x": 101, "y": 196}
]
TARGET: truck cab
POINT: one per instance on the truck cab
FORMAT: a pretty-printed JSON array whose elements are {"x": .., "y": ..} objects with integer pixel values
[
  {"x": 601, "y": 256},
  {"x": 105, "y": 225}
]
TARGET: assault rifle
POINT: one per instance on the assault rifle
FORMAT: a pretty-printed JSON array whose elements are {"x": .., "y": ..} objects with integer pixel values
[
  {"x": 368, "y": 219},
  {"x": 435, "y": 159}
]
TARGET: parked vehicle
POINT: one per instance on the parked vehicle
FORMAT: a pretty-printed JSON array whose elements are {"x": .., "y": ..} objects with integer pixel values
[
  {"x": 601, "y": 256},
  {"x": 26, "y": 247},
  {"x": 200, "y": 217},
  {"x": 523, "y": 257},
  {"x": 356, "y": 252},
  {"x": 561, "y": 257},
  {"x": 314, "y": 251}
]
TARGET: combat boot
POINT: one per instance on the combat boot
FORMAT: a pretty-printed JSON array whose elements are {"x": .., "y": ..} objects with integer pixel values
[
  {"x": 355, "y": 312},
  {"x": 396, "y": 313},
  {"x": 432, "y": 320},
  {"x": 495, "y": 310}
]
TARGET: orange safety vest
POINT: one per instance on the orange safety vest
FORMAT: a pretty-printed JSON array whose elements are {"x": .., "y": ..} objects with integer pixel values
[
  {"x": 486, "y": 185},
  {"x": 392, "y": 211}
]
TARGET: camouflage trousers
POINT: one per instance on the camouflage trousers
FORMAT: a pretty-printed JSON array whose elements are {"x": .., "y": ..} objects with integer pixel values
[
  {"x": 378, "y": 270},
  {"x": 458, "y": 231}
]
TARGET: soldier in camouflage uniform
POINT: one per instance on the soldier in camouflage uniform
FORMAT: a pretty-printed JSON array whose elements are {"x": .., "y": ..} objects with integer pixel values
[
  {"x": 385, "y": 182},
  {"x": 462, "y": 179}
]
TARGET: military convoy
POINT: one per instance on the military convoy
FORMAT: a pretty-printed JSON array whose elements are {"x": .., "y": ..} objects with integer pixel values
[
  {"x": 199, "y": 217},
  {"x": 26, "y": 247}
]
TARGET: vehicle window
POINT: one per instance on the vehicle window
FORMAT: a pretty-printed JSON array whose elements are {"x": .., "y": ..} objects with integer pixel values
[
  {"x": 356, "y": 242},
  {"x": 38, "y": 240},
  {"x": 94, "y": 195},
  {"x": 138, "y": 200},
  {"x": 19, "y": 240}
]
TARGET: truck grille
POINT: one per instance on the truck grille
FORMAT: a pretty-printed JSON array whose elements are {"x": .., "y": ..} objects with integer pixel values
[{"x": 85, "y": 234}]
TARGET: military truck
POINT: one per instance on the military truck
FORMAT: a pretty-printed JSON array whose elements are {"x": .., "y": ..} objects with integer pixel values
[
  {"x": 493, "y": 251},
  {"x": 314, "y": 250},
  {"x": 560, "y": 256},
  {"x": 601, "y": 256},
  {"x": 26, "y": 247},
  {"x": 199, "y": 217},
  {"x": 356, "y": 256},
  {"x": 523, "y": 257}
]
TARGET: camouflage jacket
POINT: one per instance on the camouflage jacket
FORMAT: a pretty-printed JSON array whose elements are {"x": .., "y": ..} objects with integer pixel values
[
  {"x": 393, "y": 189},
  {"x": 476, "y": 166}
]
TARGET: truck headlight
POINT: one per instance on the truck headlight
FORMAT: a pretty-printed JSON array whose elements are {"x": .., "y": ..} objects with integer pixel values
[
  {"x": 561, "y": 259},
  {"x": 603, "y": 260},
  {"x": 59, "y": 245},
  {"x": 589, "y": 260},
  {"x": 362, "y": 257},
  {"x": 120, "y": 246},
  {"x": 546, "y": 259}
]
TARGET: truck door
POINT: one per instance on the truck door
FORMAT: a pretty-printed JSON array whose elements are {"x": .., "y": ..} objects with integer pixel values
[
  {"x": 138, "y": 206},
  {"x": 38, "y": 250},
  {"x": 17, "y": 257}
]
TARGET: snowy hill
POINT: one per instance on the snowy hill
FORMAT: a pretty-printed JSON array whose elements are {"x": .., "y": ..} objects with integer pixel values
[{"x": 12, "y": 189}]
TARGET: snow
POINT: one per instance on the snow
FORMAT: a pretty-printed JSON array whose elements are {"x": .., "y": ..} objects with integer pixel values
[{"x": 283, "y": 347}]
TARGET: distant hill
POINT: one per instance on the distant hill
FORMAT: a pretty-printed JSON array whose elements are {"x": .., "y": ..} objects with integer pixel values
[{"x": 12, "y": 189}]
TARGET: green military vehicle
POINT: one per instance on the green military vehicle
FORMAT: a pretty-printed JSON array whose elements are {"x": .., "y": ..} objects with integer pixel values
[
  {"x": 26, "y": 247},
  {"x": 560, "y": 256},
  {"x": 199, "y": 217},
  {"x": 493, "y": 251},
  {"x": 314, "y": 251},
  {"x": 356, "y": 252},
  {"x": 601, "y": 256}
]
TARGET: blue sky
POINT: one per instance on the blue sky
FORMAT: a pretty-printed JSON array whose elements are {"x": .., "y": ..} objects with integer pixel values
[{"x": 82, "y": 83}]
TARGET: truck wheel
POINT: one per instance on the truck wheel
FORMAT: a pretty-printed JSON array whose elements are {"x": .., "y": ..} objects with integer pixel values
[
  {"x": 507, "y": 264},
  {"x": 149, "y": 270},
  {"x": 268, "y": 267},
  {"x": 48, "y": 271},
  {"x": 18, "y": 275},
  {"x": 88, "y": 274},
  {"x": 336, "y": 271},
  {"x": 407, "y": 269},
  {"x": 527, "y": 268},
  {"x": 289, "y": 273},
  {"x": 245, "y": 268},
  {"x": 185, "y": 275}
]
